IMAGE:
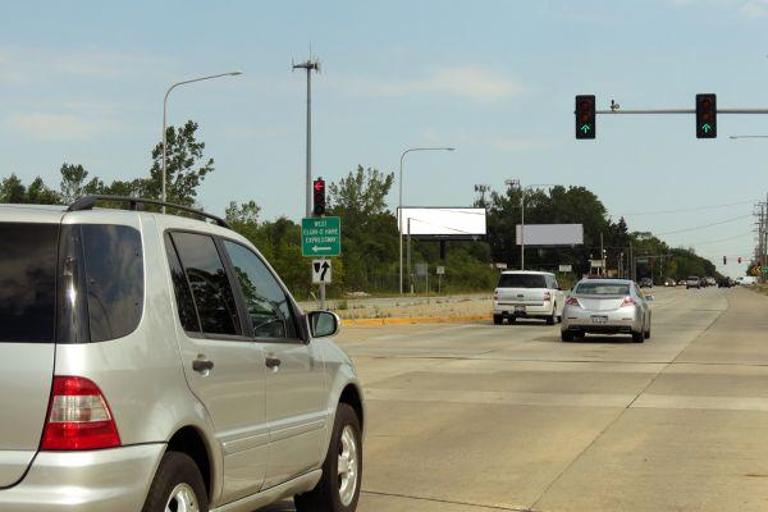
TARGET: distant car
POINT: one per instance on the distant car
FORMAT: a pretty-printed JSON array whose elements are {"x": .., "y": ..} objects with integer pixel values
[
  {"x": 646, "y": 282},
  {"x": 527, "y": 294},
  {"x": 693, "y": 282},
  {"x": 669, "y": 282},
  {"x": 613, "y": 306}
]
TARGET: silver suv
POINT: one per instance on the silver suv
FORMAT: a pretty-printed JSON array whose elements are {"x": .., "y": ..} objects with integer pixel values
[{"x": 155, "y": 363}]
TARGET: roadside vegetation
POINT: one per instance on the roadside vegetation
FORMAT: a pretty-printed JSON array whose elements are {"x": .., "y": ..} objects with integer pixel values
[{"x": 369, "y": 261}]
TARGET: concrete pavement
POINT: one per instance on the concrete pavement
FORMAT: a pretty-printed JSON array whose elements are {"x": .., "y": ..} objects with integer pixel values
[{"x": 479, "y": 417}]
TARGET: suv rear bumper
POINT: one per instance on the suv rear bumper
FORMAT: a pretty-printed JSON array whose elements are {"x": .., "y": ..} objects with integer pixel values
[
  {"x": 531, "y": 309},
  {"x": 111, "y": 480}
]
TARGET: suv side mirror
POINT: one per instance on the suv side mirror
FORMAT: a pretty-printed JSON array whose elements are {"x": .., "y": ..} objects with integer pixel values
[{"x": 323, "y": 324}]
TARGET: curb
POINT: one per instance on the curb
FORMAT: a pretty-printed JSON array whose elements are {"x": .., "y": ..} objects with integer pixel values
[{"x": 410, "y": 320}]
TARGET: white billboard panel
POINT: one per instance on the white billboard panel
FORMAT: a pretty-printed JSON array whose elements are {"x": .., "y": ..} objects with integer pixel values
[
  {"x": 443, "y": 222},
  {"x": 551, "y": 234}
]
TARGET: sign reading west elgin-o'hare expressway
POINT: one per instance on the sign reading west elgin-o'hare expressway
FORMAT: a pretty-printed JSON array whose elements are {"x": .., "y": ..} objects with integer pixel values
[{"x": 321, "y": 236}]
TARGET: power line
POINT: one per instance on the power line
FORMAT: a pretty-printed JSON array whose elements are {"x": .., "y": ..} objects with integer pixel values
[
  {"x": 704, "y": 226},
  {"x": 696, "y": 209},
  {"x": 735, "y": 237}
]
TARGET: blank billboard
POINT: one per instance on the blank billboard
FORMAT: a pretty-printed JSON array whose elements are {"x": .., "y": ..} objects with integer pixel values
[
  {"x": 467, "y": 223},
  {"x": 551, "y": 234}
]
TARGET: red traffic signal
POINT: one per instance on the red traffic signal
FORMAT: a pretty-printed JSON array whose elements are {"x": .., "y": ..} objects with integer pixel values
[
  {"x": 725, "y": 260},
  {"x": 318, "y": 188},
  {"x": 586, "y": 114},
  {"x": 706, "y": 116}
]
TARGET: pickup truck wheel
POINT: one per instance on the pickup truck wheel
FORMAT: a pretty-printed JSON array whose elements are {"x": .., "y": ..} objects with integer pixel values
[
  {"x": 339, "y": 488},
  {"x": 177, "y": 486}
]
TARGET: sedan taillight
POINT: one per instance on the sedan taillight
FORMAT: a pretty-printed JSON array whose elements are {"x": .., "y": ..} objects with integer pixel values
[
  {"x": 628, "y": 301},
  {"x": 573, "y": 301}
]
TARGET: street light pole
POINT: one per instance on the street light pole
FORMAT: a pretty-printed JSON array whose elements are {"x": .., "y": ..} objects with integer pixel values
[
  {"x": 163, "y": 196},
  {"x": 400, "y": 202}
]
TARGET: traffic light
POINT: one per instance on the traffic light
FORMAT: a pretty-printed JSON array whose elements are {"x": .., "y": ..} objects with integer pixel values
[
  {"x": 725, "y": 260},
  {"x": 585, "y": 116},
  {"x": 739, "y": 259},
  {"x": 706, "y": 116},
  {"x": 318, "y": 191}
]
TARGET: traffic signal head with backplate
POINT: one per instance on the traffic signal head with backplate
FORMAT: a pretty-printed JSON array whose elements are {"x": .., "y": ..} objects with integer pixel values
[
  {"x": 706, "y": 116},
  {"x": 725, "y": 260},
  {"x": 318, "y": 192},
  {"x": 585, "y": 116}
]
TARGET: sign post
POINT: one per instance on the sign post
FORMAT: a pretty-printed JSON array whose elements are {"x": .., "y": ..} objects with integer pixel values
[{"x": 321, "y": 238}]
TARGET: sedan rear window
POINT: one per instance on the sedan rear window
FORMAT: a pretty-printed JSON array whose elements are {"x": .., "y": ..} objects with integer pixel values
[
  {"x": 522, "y": 281},
  {"x": 27, "y": 282},
  {"x": 602, "y": 289}
]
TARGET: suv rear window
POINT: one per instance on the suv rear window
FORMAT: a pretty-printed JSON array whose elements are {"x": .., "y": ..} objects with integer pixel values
[
  {"x": 27, "y": 282},
  {"x": 522, "y": 281}
]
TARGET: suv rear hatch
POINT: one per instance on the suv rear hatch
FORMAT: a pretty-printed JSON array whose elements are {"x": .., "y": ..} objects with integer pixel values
[
  {"x": 28, "y": 269},
  {"x": 522, "y": 288}
]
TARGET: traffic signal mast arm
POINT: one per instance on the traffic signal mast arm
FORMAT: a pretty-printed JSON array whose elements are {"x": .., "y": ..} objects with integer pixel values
[{"x": 684, "y": 111}]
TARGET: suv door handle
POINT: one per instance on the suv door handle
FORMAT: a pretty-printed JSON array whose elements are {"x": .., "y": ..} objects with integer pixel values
[
  {"x": 272, "y": 363},
  {"x": 202, "y": 365}
]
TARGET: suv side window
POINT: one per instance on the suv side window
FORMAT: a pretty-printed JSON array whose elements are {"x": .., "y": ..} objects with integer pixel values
[
  {"x": 269, "y": 311},
  {"x": 209, "y": 283},
  {"x": 184, "y": 302},
  {"x": 114, "y": 279}
]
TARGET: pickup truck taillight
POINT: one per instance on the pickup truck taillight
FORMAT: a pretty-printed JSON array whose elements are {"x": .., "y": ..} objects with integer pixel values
[{"x": 79, "y": 417}]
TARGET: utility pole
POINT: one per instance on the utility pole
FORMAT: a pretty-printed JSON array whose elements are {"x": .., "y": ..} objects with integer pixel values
[
  {"x": 602, "y": 255},
  {"x": 310, "y": 65}
]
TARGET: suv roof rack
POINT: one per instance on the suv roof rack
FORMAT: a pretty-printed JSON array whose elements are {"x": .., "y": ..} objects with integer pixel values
[{"x": 88, "y": 202}]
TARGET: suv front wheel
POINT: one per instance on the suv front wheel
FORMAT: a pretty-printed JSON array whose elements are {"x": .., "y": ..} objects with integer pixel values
[
  {"x": 177, "y": 486},
  {"x": 339, "y": 488}
]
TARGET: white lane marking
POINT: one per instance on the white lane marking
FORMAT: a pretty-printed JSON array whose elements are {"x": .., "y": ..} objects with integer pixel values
[{"x": 727, "y": 403}]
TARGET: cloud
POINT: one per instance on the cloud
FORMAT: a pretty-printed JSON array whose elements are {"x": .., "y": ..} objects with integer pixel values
[
  {"x": 57, "y": 127},
  {"x": 519, "y": 144},
  {"x": 748, "y": 8},
  {"x": 25, "y": 65},
  {"x": 466, "y": 82},
  {"x": 755, "y": 8}
]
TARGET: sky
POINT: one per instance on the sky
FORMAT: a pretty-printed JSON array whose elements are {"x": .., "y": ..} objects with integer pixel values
[{"x": 83, "y": 82}]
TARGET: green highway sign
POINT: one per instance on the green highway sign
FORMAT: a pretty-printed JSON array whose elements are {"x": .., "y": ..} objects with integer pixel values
[{"x": 320, "y": 236}]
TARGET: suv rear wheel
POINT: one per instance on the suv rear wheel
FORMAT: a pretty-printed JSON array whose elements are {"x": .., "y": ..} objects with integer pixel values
[
  {"x": 339, "y": 488},
  {"x": 177, "y": 486}
]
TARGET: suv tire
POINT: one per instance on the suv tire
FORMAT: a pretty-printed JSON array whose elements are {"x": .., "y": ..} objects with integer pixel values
[
  {"x": 178, "y": 478},
  {"x": 329, "y": 495},
  {"x": 567, "y": 335}
]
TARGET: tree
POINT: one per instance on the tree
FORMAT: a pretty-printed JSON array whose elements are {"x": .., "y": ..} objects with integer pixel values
[
  {"x": 73, "y": 183},
  {"x": 186, "y": 166},
  {"x": 12, "y": 190},
  {"x": 369, "y": 230}
]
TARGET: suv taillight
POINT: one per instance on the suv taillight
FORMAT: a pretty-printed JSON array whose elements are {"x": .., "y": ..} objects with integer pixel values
[
  {"x": 79, "y": 417},
  {"x": 547, "y": 296},
  {"x": 628, "y": 301},
  {"x": 496, "y": 295}
]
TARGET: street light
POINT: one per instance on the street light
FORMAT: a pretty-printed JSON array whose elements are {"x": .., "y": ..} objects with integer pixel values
[
  {"x": 522, "y": 217},
  {"x": 400, "y": 201},
  {"x": 165, "y": 115}
]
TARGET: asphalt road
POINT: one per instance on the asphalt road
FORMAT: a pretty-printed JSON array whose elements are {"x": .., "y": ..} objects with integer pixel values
[{"x": 479, "y": 417}]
